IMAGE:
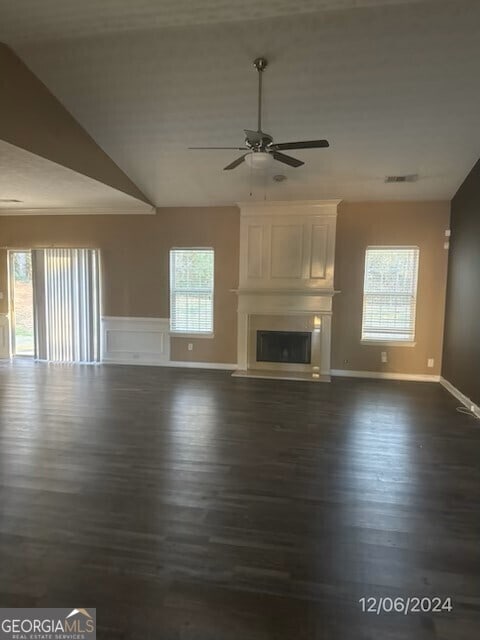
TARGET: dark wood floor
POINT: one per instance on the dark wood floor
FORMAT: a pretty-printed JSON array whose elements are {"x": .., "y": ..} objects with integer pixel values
[{"x": 187, "y": 505}]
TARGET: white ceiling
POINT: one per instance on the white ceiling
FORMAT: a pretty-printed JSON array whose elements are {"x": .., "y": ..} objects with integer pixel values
[
  {"x": 392, "y": 84},
  {"x": 41, "y": 184}
]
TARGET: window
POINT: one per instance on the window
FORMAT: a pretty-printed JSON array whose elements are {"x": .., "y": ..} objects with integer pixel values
[
  {"x": 191, "y": 291},
  {"x": 390, "y": 292}
]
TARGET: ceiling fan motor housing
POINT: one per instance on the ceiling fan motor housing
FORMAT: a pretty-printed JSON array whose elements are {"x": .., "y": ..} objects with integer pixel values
[{"x": 259, "y": 142}]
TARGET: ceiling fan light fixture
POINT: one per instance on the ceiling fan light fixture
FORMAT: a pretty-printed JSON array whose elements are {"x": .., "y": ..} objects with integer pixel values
[{"x": 259, "y": 160}]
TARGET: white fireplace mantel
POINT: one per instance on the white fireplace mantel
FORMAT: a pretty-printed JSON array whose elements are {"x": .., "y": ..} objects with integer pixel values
[{"x": 286, "y": 273}]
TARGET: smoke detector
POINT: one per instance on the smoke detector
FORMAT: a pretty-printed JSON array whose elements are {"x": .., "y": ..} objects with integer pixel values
[
  {"x": 412, "y": 177},
  {"x": 279, "y": 177}
]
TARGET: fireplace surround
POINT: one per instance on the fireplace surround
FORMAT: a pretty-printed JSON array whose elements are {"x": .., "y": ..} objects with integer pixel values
[{"x": 286, "y": 284}]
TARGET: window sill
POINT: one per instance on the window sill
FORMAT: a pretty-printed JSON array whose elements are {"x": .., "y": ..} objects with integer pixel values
[
  {"x": 175, "y": 334},
  {"x": 389, "y": 343}
]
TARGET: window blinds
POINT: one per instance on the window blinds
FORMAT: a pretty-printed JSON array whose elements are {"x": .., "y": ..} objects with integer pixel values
[
  {"x": 390, "y": 291},
  {"x": 191, "y": 290},
  {"x": 67, "y": 305}
]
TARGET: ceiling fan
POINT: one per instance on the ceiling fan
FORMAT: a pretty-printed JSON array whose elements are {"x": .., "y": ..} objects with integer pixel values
[{"x": 260, "y": 147}]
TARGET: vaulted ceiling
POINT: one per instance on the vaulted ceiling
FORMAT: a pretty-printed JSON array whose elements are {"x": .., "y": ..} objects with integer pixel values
[
  {"x": 393, "y": 85},
  {"x": 46, "y": 157},
  {"x": 34, "y": 182}
]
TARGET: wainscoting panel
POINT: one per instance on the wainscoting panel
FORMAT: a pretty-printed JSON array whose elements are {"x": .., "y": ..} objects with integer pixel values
[
  {"x": 136, "y": 340},
  {"x": 4, "y": 336}
]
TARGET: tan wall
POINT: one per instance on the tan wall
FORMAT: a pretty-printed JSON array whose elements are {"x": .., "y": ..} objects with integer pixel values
[
  {"x": 361, "y": 224},
  {"x": 135, "y": 253},
  {"x": 135, "y": 271}
]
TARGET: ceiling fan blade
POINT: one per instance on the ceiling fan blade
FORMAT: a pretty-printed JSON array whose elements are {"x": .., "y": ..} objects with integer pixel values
[
  {"x": 231, "y": 148},
  {"x": 235, "y": 163},
  {"x": 306, "y": 144},
  {"x": 292, "y": 162}
]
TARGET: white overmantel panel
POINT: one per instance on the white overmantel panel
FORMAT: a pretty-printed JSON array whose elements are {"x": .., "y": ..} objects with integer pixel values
[{"x": 287, "y": 245}]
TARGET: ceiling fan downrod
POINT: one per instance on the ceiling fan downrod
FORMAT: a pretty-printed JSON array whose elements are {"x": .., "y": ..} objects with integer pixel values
[{"x": 260, "y": 65}]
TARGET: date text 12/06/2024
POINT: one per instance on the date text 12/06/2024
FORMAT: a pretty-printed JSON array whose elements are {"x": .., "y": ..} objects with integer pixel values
[{"x": 405, "y": 605}]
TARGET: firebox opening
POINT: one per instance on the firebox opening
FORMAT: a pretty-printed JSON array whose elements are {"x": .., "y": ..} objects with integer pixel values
[{"x": 294, "y": 347}]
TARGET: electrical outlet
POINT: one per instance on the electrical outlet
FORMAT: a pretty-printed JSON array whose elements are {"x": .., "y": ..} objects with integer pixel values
[
  {"x": 384, "y": 356},
  {"x": 430, "y": 362},
  {"x": 190, "y": 346}
]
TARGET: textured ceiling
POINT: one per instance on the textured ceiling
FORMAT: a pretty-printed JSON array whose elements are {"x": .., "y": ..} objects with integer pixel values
[
  {"x": 34, "y": 21},
  {"x": 394, "y": 87},
  {"x": 39, "y": 183}
]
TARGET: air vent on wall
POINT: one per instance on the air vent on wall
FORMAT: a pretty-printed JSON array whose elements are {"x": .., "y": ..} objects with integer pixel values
[{"x": 412, "y": 177}]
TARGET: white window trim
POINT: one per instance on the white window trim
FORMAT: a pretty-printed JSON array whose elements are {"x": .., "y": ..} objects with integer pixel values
[
  {"x": 194, "y": 334},
  {"x": 202, "y": 335},
  {"x": 391, "y": 343}
]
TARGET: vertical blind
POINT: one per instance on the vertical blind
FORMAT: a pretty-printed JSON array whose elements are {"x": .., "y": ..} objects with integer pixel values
[
  {"x": 66, "y": 304},
  {"x": 390, "y": 293},
  {"x": 191, "y": 290}
]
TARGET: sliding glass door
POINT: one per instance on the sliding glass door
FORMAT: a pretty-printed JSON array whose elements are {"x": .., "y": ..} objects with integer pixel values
[{"x": 66, "y": 295}]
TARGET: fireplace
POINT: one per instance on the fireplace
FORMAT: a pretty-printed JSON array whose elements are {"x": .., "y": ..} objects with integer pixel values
[
  {"x": 294, "y": 347},
  {"x": 286, "y": 287}
]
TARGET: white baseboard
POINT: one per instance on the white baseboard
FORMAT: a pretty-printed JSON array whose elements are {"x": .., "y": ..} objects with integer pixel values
[
  {"x": 225, "y": 366},
  {"x": 174, "y": 364},
  {"x": 471, "y": 406},
  {"x": 412, "y": 377}
]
